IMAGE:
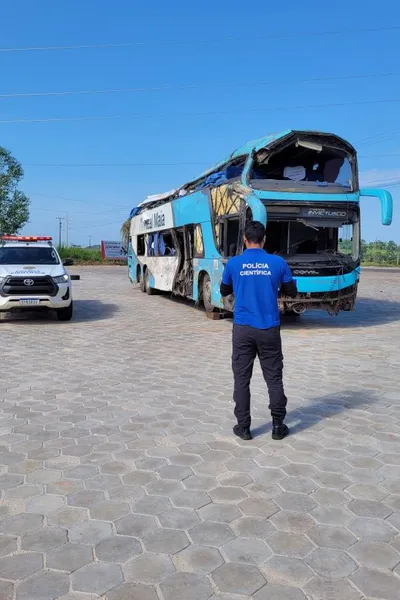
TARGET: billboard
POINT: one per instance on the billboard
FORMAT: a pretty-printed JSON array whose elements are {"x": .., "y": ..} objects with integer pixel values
[{"x": 112, "y": 251}]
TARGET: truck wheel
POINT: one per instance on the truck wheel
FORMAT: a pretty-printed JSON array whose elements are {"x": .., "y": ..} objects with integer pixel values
[
  {"x": 149, "y": 290},
  {"x": 206, "y": 293},
  {"x": 65, "y": 314}
]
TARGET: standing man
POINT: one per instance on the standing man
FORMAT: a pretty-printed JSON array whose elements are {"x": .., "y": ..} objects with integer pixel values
[{"x": 255, "y": 278}]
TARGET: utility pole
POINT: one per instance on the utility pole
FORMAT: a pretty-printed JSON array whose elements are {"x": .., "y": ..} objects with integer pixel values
[
  {"x": 66, "y": 230},
  {"x": 90, "y": 241},
  {"x": 60, "y": 220}
]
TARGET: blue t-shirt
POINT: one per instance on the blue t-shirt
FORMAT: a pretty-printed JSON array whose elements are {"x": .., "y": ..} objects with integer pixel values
[{"x": 256, "y": 277}]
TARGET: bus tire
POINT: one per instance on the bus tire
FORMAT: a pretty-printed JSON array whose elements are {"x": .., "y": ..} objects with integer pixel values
[
  {"x": 149, "y": 290},
  {"x": 206, "y": 293}
]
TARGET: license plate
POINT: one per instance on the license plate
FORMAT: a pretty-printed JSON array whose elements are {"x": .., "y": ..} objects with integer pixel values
[{"x": 30, "y": 301}]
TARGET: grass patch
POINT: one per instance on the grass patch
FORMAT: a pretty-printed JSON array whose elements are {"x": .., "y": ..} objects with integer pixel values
[{"x": 87, "y": 256}]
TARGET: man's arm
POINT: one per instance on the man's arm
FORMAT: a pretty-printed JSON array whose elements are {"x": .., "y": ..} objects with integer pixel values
[
  {"x": 288, "y": 284},
  {"x": 226, "y": 287}
]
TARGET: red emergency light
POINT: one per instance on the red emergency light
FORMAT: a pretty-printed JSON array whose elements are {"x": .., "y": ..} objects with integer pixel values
[{"x": 26, "y": 238}]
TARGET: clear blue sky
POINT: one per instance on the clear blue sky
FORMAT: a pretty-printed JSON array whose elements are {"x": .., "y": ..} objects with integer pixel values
[{"x": 99, "y": 199}]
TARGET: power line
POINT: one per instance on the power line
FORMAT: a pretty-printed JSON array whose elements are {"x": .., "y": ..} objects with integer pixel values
[
  {"x": 197, "y": 113},
  {"x": 164, "y": 88},
  {"x": 194, "y": 42},
  {"x": 131, "y": 165}
]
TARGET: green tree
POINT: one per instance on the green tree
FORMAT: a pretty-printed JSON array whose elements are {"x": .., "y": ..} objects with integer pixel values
[{"x": 14, "y": 204}]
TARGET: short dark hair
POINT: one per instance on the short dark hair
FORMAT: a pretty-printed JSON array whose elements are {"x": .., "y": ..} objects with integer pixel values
[{"x": 254, "y": 232}]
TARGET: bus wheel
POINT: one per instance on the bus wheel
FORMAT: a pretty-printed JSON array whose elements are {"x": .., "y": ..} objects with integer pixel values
[
  {"x": 206, "y": 293},
  {"x": 149, "y": 290}
]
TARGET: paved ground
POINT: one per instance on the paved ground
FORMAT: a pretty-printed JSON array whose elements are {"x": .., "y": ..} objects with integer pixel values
[{"x": 121, "y": 480}]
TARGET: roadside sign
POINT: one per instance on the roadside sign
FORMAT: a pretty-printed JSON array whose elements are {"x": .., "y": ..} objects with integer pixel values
[{"x": 112, "y": 251}]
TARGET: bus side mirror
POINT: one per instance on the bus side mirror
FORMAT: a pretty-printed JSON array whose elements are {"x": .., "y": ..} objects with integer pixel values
[{"x": 386, "y": 200}]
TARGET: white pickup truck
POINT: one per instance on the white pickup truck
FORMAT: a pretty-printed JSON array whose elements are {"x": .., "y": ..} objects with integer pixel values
[{"x": 33, "y": 276}]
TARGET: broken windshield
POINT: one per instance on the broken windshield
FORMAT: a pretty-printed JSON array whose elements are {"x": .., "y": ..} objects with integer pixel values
[{"x": 304, "y": 165}]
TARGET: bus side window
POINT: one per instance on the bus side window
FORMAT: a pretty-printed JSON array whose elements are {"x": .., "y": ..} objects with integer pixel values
[
  {"x": 141, "y": 246},
  {"x": 198, "y": 242}
]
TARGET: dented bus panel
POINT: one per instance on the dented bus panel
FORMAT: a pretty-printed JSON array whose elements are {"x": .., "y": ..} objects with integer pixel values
[{"x": 302, "y": 185}]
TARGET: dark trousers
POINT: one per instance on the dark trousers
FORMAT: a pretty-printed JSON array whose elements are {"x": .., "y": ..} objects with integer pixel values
[{"x": 247, "y": 343}]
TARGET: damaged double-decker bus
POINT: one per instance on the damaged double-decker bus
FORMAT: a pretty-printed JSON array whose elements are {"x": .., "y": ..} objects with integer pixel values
[{"x": 302, "y": 185}]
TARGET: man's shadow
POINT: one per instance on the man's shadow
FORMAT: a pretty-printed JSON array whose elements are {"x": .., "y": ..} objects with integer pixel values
[{"x": 304, "y": 417}]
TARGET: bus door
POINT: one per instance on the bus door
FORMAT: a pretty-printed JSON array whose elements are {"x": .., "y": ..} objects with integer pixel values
[{"x": 184, "y": 242}]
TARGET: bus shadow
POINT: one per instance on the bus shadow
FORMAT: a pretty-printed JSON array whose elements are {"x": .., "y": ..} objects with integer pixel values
[
  {"x": 305, "y": 417},
  {"x": 368, "y": 312}
]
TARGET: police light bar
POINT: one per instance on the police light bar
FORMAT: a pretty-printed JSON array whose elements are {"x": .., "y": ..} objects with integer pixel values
[{"x": 26, "y": 238}]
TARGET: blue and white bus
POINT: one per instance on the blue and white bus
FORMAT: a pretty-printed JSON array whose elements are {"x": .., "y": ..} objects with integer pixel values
[{"x": 302, "y": 185}]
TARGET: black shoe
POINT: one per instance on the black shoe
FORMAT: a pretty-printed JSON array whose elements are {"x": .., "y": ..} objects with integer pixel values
[
  {"x": 242, "y": 432},
  {"x": 279, "y": 429}
]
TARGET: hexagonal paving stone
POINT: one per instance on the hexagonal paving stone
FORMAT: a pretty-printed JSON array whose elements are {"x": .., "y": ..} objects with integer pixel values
[
  {"x": 6, "y": 590},
  {"x": 44, "y": 505},
  {"x": 118, "y": 549},
  {"x": 132, "y": 591},
  {"x": 103, "y": 482},
  {"x": 149, "y": 568},
  {"x": 151, "y": 505},
  {"x": 227, "y": 494},
  {"x": 97, "y": 578},
  {"x": 44, "y": 585},
  {"x": 238, "y": 578},
  {"x": 23, "y": 492},
  {"x": 279, "y": 592},
  {"x": 166, "y": 541},
  {"x": 285, "y": 570},
  {"x": 293, "y": 522},
  {"x": 290, "y": 544},
  {"x": 326, "y": 536},
  {"x": 376, "y": 584},
  {"x": 375, "y": 555},
  {"x": 136, "y": 525},
  {"x": 341, "y": 589},
  {"x": 65, "y": 487},
  {"x": 70, "y": 557},
  {"x": 258, "y": 507},
  {"x": 22, "y": 523},
  {"x": 19, "y": 566},
  {"x": 9, "y": 481},
  {"x": 296, "y": 502},
  {"x": 176, "y": 472},
  {"x": 372, "y": 530},
  {"x": 91, "y": 532},
  {"x": 45, "y": 539},
  {"x": 86, "y": 498},
  {"x": 211, "y": 534},
  {"x": 370, "y": 508},
  {"x": 109, "y": 511},
  {"x": 198, "y": 559},
  {"x": 190, "y": 499},
  {"x": 366, "y": 492},
  {"x": 163, "y": 487},
  {"x": 8, "y": 544},
  {"x": 302, "y": 485},
  {"x": 201, "y": 482},
  {"x": 327, "y": 496},
  {"x": 332, "y": 515},
  {"x": 221, "y": 513},
  {"x": 139, "y": 477},
  {"x": 81, "y": 472},
  {"x": 181, "y": 586},
  {"x": 68, "y": 516},
  {"x": 333, "y": 563},
  {"x": 253, "y": 527},
  {"x": 245, "y": 550},
  {"x": 179, "y": 518}
]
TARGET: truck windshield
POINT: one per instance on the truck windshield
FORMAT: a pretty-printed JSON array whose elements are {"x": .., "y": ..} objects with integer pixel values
[{"x": 28, "y": 255}]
